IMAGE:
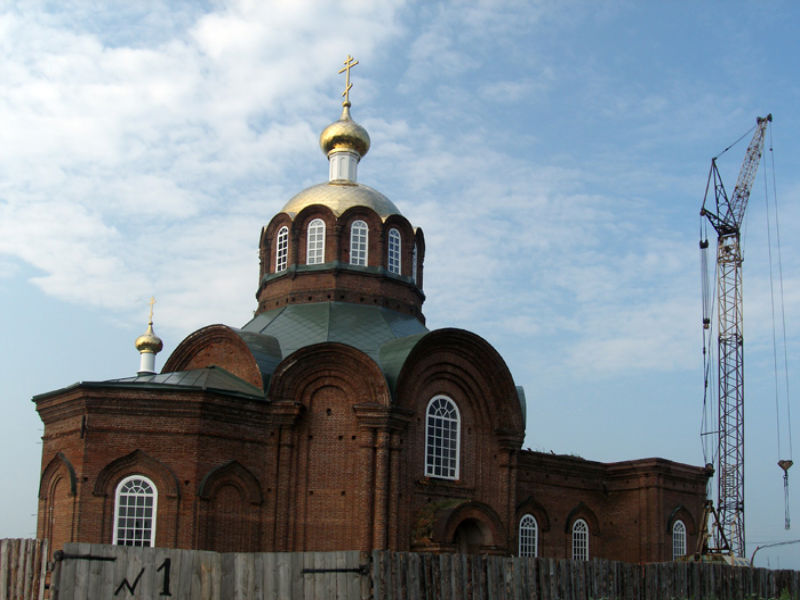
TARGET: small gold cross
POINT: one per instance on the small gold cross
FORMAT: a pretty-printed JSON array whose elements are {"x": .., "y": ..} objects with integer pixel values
[
  {"x": 152, "y": 301},
  {"x": 348, "y": 64}
]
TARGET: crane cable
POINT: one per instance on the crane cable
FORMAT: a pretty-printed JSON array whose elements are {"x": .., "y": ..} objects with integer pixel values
[{"x": 783, "y": 463}]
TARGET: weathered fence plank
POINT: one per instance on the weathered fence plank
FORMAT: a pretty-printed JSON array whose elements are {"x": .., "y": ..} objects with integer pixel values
[{"x": 104, "y": 571}]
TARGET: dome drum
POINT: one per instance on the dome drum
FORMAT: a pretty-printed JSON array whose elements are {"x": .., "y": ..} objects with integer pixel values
[{"x": 340, "y": 283}]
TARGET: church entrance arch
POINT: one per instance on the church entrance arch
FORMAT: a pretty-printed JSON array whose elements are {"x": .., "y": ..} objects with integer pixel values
[{"x": 470, "y": 536}]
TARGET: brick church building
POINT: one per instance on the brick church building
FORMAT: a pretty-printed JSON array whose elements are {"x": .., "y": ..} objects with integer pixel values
[{"x": 334, "y": 419}]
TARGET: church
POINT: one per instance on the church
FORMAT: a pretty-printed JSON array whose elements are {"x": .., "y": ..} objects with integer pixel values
[{"x": 336, "y": 420}]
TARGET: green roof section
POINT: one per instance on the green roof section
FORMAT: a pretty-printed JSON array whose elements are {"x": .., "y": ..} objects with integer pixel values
[
  {"x": 364, "y": 327},
  {"x": 208, "y": 378}
]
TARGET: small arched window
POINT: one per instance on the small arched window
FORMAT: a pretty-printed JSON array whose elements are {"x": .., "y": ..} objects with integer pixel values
[
  {"x": 315, "y": 254},
  {"x": 528, "y": 536},
  {"x": 442, "y": 433},
  {"x": 580, "y": 540},
  {"x": 282, "y": 249},
  {"x": 136, "y": 500},
  {"x": 414, "y": 264},
  {"x": 359, "y": 237},
  {"x": 394, "y": 252},
  {"x": 678, "y": 539}
]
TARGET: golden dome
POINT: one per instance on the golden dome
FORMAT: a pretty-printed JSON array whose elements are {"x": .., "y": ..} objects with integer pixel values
[
  {"x": 149, "y": 341},
  {"x": 344, "y": 134},
  {"x": 340, "y": 196}
]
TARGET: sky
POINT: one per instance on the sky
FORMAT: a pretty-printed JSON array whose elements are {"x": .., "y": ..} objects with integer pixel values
[{"x": 555, "y": 155}]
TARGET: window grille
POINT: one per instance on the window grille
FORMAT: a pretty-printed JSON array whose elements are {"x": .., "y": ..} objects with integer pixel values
[
  {"x": 414, "y": 264},
  {"x": 135, "y": 512},
  {"x": 580, "y": 540},
  {"x": 282, "y": 250},
  {"x": 394, "y": 251},
  {"x": 316, "y": 242},
  {"x": 442, "y": 434},
  {"x": 678, "y": 539},
  {"x": 359, "y": 236},
  {"x": 528, "y": 536}
]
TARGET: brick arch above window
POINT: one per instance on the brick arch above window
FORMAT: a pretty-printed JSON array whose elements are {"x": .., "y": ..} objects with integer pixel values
[
  {"x": 57, "y": 463},
  {"x": 582, "y": 511},
  {"x": 231, "y": 473},
  {"x": 532, "y": 507},
  {"x": 681, "y": 513},
  {"x": 303, "y": 371},
  {"x": 137, "y": 462}
]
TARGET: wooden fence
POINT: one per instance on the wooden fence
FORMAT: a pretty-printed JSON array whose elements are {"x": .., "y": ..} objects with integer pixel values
[
  {"x": 23, "y": 565},
  {"x": 94, "y": 571}
]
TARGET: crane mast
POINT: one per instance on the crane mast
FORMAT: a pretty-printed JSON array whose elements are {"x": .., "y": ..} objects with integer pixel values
[{"x": 726, "y": 218}]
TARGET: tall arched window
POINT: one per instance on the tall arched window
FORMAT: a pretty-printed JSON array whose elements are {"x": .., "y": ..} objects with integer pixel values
[
  {"x": 135, "y": 505},
  {"x": 359, "y": 236},
  {"x": 528, "y": 536},
  {"x": 315, "y": 254},
  {"x": 442, "y": 433},
  {"x": 580, "y": 540},
  {"x": 414, "y": 264},
  {"x": 282, "y": 250},
  {"x": 394, "y": 251},
  {"x": 678, "y": 539}
]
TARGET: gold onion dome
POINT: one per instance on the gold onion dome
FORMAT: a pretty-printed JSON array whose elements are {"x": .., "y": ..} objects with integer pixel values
[
  {"x": 344, "y": 134},
  {"x": 149, "y": 341}
]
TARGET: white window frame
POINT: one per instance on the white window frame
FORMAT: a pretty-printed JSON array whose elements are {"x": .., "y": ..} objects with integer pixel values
[
  {"x": 282, "y": 250},
  {"x": 442, "y": 438},
  {"x": 678, "y": 539},
  {"x": 315, "y": 242},
  {"x": 394, "y": 252},
  {"x": 359, "y": 243},
  {"x": 528, "y": 536},
  {"x": 414, "y": 258},
  {"x": 125, "y": 533},
  {"x": 580, "y": 540}
]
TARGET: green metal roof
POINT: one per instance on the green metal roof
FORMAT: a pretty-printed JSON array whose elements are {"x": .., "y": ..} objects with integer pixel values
[
  {"x": 364, "y": 327},
  {"x": 207, "y": 378}
]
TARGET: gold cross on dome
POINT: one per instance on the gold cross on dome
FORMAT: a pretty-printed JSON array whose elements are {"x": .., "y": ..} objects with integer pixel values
[
  {"x": 348, "y": 64},
  {"x": 152, "y": 301}
]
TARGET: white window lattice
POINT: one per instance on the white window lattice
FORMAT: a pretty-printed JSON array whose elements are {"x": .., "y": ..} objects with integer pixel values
[
  {"x": 678, "y": 539},
  {"x": 282, "y": 250},
  {"x": 359, "y": 236},
  {"x": 135, "y": 512},
  {"x": 394, "y": 251},
  {"x": 414, "y": 264},
  {"x": 442, "y": 438},
  {"x": 315, "y": 254},
  {"x": 580, "y": 540},
  {"x": 528, "y": 536}
]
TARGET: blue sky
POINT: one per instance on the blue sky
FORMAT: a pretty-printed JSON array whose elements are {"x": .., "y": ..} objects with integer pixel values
[{"x": 554, "y": 153}]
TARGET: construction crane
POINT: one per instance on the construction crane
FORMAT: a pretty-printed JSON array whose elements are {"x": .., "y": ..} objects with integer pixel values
[{"x": 726, "y": 216}]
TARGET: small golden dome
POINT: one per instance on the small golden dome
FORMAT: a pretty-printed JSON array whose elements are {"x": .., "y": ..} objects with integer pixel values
[
  {"x": 344, "y": 134},
  {"x": 149, "y": 341}
]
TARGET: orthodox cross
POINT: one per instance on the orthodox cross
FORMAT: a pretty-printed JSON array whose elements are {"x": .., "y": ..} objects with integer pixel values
[
  {"x": 152, "y": 301},
  {"x": 348, "y": 64}
]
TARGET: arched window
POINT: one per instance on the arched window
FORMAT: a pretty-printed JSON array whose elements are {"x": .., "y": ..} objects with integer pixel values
[
  {"x": 315, "y": 254},
  {"x": 359, "y": 236},
  {"x": 678, "y": 539},
  {"x": 135, "y": 512},
  {"x": 442, "y": 424},
  {"x": 394, "y": 251},
  {"x": 414, "y": 264},
  {"x": 282, "y": 250},
  {"x": 580, "y": 540},
  {"x": 528, "y": 536}
]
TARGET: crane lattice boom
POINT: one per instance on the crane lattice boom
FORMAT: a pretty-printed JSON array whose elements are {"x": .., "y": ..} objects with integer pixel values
[{"x": 727, "y": 221}]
